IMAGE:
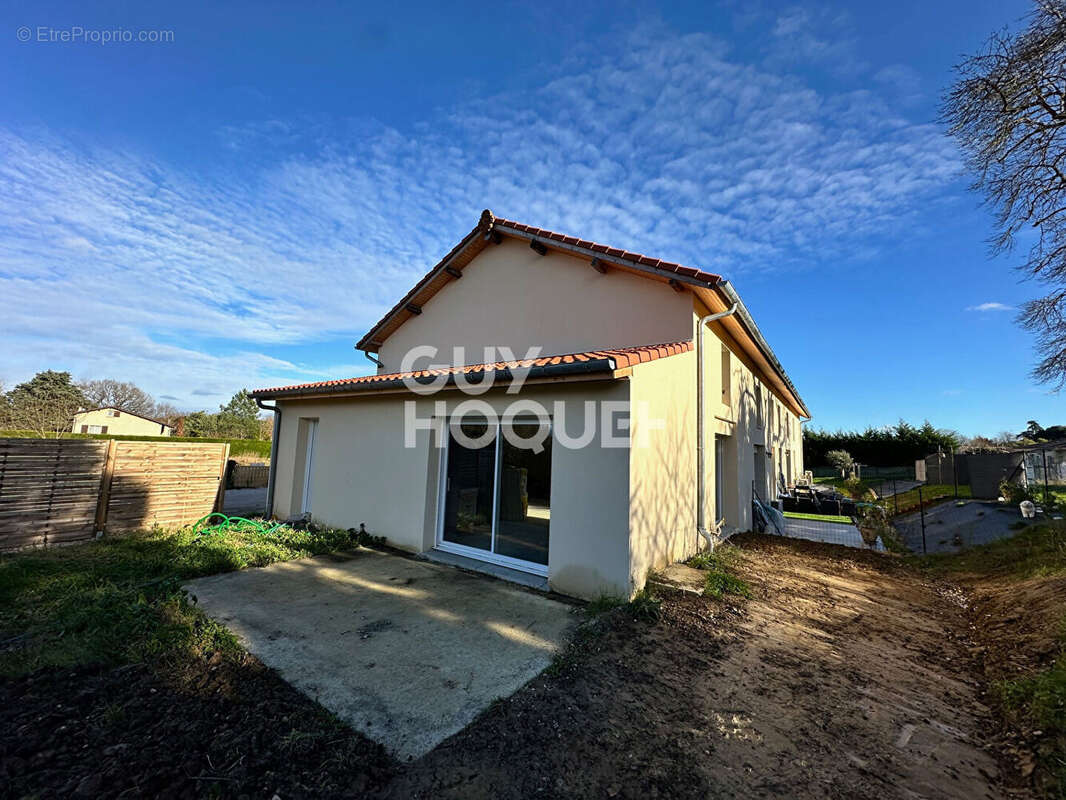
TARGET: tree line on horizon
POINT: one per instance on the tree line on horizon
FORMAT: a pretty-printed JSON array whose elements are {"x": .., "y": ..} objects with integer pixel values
[
  {"x": 888, "y": 446},
  {"x": 903, "y": 444},
  {"x": 47, "y": 402}
]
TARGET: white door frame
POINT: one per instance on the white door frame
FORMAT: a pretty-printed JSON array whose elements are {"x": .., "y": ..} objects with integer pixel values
[
  {"x": 473, "y": 552},
  {"x": 312, "y": 429}
]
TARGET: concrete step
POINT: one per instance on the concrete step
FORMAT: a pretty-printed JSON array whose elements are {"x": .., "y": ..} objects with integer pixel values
[{"x": 679, "y": 578}]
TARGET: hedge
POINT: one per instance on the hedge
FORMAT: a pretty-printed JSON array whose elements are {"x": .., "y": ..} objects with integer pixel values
[{"x": 237, "y": 447}]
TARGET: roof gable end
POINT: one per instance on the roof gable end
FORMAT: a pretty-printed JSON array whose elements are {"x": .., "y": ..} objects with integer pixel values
[{"x": 491, "y": 230}]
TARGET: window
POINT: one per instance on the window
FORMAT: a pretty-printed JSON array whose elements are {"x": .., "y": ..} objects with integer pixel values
[
  {"x": 727, "y": 389},
  {"x": 113, "y": 413},
  {"x": 94, "y": 429},
  {"x": 759, "y": 472},
  {"x": 758, "y": 404},
  {"x": 719, "y": 478}
]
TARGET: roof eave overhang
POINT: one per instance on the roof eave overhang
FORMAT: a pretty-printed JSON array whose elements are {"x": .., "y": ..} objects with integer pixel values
[
  {"x": 596, "y": 369},
  {"x": 742, "y": 328}
]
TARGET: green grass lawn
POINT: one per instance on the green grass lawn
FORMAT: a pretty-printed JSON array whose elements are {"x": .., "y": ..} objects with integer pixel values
[
  {"x": 119, "y": 600},
  {"x": 1039, "y": 551},
  {"x": 839, "y": 483},
  {"x": 818, "y": 517}
]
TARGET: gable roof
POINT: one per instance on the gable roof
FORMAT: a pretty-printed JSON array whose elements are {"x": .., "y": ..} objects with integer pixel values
[
  {"x": 124, "y": 411},
  {"x": 710, "y": 289},
  {"x": 604, "y": 362},
  {"x": 491, "y": 229}
]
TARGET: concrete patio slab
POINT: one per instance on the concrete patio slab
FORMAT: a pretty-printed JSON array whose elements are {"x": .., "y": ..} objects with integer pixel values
[{"x": 405, "y": 651}]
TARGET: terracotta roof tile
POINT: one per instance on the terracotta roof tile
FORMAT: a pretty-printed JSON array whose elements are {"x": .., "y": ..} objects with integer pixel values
[
  {"x": 612, "y": 252},
  {"x": 612, "y": 359}
]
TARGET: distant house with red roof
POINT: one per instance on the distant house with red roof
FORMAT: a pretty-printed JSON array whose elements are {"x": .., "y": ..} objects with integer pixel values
[{"x": 535, "y": 412}]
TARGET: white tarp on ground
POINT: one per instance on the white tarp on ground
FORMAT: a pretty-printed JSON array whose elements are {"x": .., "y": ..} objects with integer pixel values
[{"x": 828, "y": 532}]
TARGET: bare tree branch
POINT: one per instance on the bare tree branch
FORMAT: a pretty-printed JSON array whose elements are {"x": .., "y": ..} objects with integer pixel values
[{"x": 1007, "y": 111}]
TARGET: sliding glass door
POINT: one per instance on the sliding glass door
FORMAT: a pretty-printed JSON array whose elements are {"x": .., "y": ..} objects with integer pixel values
[
  {"x": 469, "y": 481},
  {"x": 496, "y": 494}
]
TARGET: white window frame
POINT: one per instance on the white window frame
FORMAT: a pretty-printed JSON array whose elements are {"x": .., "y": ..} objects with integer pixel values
[{"x": 489, "y": 556}]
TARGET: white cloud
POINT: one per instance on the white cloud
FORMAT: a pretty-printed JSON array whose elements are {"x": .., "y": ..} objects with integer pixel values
[
  {"x": 990, "y": 307},
  {"x": 123, "y": 265}
]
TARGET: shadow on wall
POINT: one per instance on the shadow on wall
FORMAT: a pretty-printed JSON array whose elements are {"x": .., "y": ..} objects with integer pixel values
[
  {"x": 664, "y": 495},
  {"x": 68, "y": 509}
]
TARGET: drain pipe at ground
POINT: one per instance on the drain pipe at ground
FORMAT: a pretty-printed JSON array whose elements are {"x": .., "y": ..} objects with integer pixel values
[
  {"x": 701, "y": 458},
  {"x": 276, "y": 411}
]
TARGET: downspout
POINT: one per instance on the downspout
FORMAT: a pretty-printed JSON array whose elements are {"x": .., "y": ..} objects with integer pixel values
[
  {"x": 701, "y": 457},
  {"x": 276, "y": 411},
  {"x": 374, "y": 359}
]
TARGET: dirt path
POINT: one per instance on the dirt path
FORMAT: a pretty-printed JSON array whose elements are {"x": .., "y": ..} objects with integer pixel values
[{"x": 842, "y": 678}]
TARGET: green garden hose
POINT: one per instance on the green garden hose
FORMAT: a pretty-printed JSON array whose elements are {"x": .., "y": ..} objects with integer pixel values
[{"x": 231, "y": 524}]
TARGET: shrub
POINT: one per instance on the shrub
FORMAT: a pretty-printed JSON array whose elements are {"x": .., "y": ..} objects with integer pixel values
[
  {"x": 1015, "y": 493},
  {"x": 853, "y": 487},
  {"x": 840, "y": 460},
  {"x": 605, "y": 602},
  {"x": 646, "y": 605}
]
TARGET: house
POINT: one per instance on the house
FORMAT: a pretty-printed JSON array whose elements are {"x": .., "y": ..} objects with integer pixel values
[
  {"x": 118, "y": 422},
  {"x": 568, "y": 448}
]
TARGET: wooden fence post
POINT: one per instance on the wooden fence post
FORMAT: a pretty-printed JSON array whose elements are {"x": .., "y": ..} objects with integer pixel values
[
  {"x": 220, "y": 498},
  {"x": 104, "y": 498}
]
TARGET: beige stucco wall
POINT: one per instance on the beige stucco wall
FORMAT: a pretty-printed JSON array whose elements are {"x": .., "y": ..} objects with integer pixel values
[
  {"x": 740, "y": 422},
  {"x": 662, "y": 485},
  {"x": 663, "y": 474},
  {"x": 510, "y": 296},
  {"x": 362, "y": 472},
  {"x": 122, "y": 425}
]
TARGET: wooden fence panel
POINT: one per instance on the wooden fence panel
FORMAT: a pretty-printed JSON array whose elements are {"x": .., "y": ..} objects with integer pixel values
[
  {"x": 249, "y": 477},
  {"x": 164, "y": 483},
  {"x": 63, "y": 490},
  {"x": 48, "y": 490}
]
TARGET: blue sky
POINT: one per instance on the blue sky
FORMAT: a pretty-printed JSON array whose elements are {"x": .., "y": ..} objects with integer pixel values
[{"x": 237, "y": 206}]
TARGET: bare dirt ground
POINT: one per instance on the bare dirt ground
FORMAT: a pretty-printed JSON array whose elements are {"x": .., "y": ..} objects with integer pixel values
[
  {"x": 843, "y": 677},
  {"x": 846, "y": 675}
]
